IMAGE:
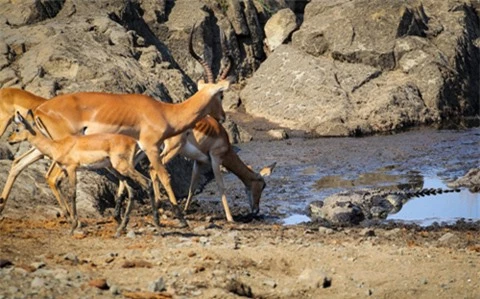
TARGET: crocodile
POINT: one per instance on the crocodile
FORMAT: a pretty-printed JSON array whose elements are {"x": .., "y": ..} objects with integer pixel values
[{"x": 354, "y": 206}]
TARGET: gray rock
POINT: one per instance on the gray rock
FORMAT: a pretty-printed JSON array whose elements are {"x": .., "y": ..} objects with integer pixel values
[
  {"x": 347, "y": 75},
  {"x": 157, "y": 286},
  {"x": 37, "y": 282},
  {"x": 278, "y": 134},
  {"x": 131, "y": 234},
  {"x": 446, "y": 238},
  {"x": 279, "y": 27}
]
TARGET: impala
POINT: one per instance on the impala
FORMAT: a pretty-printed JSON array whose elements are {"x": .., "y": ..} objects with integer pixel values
[
  {"x": 149, "y": 121},
  {"x": 211, "y": 139},
  {"x": 88, "y": 151},
  {"x": 14, "y": 99}
]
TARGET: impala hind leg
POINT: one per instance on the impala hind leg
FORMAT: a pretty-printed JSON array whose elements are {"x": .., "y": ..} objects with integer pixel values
[
  {"x": 193, "y": 184},
  {"x": 119, "y": 198},
  {"x": 29, "y": 157},
  {"x": 53, "y": 177},
  {"x": 72, "y": 181},
  {"x": 126, "y": 217}
]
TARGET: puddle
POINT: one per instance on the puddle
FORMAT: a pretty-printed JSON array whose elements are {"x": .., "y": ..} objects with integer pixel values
[
  {"x": 313, "y": 169},
  {"x": 295, "y": 219},
  {"x": 447, "y": 207}
]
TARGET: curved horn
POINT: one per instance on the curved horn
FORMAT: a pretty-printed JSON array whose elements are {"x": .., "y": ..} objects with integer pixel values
[
  {"x": 226, "y": 55},
  {"x": 206, "y": 67}
]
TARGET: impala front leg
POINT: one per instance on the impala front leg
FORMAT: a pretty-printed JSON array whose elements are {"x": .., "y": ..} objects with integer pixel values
[
  {"x": 158, "y": 171},
  {"x": 4, "y": 124},
  {"x": 221, "y": 187},
  {"x": 29, "y": 157}
]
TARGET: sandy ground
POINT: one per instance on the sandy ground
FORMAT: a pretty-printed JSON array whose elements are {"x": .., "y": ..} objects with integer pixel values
[
  {"x": 258, "y": 258},
  {"x": 218, "y": 260}
]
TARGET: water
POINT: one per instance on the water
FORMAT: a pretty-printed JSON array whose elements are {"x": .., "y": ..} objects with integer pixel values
[
  {"x": 295, "y": 219},
  {"x": 447, "y": 207},
  {"x": 313, "y": 169}
]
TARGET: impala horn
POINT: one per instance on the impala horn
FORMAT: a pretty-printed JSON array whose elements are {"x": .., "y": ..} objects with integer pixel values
[{"x": 206, "y": 67}]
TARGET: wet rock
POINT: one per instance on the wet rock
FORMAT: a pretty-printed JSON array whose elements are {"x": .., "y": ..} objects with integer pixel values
[{"x": 470, "y": 180}]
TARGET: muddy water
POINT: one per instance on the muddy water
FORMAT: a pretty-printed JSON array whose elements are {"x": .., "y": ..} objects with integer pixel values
[{"x": 312, "y": 169}]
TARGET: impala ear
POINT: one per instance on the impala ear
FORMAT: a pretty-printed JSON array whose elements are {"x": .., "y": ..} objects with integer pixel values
[
  {"x": 200, "y": 84},
  {"x": 20, "y": 119},
  {"x": 224, "y": 85},
  {"x": 266, "y": 171}
]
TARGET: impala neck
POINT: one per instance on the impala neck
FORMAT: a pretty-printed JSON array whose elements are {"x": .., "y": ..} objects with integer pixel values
[
  {"x": 183, "y": 116},
  {"x": 43, "y": 144},
  {"x": 233, "y": 163}
]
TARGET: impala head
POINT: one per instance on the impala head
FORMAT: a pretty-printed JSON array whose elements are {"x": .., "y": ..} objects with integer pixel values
[
  {"x": 216, "y": 89},
  {"x": 23, "y": 128},
  {"x": 215, "y": 92},
  {"x": 254, "y": 193}
]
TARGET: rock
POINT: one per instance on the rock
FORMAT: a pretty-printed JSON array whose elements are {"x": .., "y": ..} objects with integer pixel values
[
  {"x": 380, "y": 74},
  {"x": 131, "y": 234},
  {"x": 38, "y": 265},
  {"x": 157, "y": 286},
  {"x": 313, "y": 279},
  {"x": 470, "y": 180},
  {"x": 279, "y": 27},
  {"x": 270, "y": 283},
  {"x": 446, "y": 238},
  {"x": 367, "y": 232},
  {"x": 239, "y": 288},
  {"x": 325, "y": 230},
  {"x": 71, "y": 257},
  {"x": 278, "y": 134},
  {"x": 5, "y": 263},
  {"x": 100, "y": 283},
  {"x": 37, "y": 282}
]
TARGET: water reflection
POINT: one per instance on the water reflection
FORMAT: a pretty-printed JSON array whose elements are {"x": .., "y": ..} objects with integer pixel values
[{"x": 446, "y": 207}]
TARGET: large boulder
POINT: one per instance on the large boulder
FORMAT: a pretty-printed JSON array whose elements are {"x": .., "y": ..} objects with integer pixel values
[{"x": 359, "y": 67}]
